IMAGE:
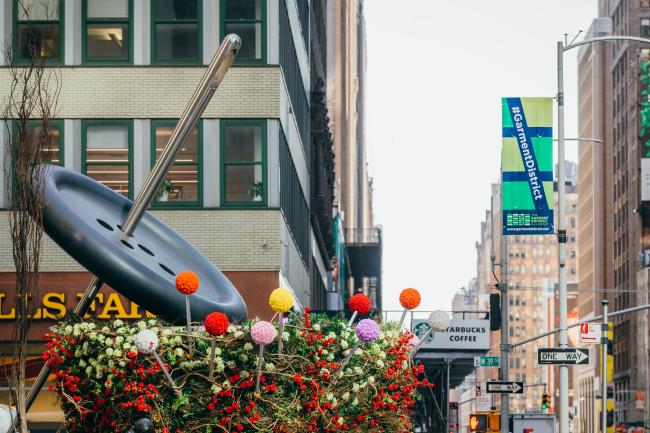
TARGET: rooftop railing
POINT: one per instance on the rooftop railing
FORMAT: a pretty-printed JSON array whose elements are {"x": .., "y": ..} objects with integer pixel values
[{"x": 363, "y": 235}]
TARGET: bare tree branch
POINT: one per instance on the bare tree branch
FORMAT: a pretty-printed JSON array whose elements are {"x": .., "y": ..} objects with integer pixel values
[{"x": 28, "y": 112}]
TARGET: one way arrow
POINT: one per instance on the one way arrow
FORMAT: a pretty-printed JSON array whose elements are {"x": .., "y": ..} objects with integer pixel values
[
  {"x": 563, "y": 356},
  {"x": 505, "y": 387}
]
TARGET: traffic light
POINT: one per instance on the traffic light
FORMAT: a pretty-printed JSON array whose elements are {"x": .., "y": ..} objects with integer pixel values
[
  {"x": 495, "y": 422},
  {"x": 495, "y": 312},
  {"x": 544, "y": 401},
  {"x": 478, "y": 422}
]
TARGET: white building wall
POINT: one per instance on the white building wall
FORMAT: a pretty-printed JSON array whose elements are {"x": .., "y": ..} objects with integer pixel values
[
  {"x": 5, "y": 166},
  {"x": 72, "y": 144},
  {"x": 211, "y": 163},
  {"x": 273, "y": 163},
  {"x": 273, "y": 32},
  {"x": 301, "y": 48},
  {"x": 6, "y": 18},
  {"x": 72, "y": 32},
  {"x": 142, "y": 33},
  {"x": 294, "y": 270},
  {"x": 210, "y": 24},
  {"x": 141, "y": 152},
  {"x": 318, "y": 258}
]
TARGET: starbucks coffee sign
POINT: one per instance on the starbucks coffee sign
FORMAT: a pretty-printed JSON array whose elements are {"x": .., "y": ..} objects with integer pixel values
[{"x": 460, "y": 335}]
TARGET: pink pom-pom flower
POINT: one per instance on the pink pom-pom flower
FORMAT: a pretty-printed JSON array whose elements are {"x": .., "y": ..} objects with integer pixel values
[
  {"x": 367, "y": 330},
  {"x": 413, "y": 341},
  {"x": 263, "y": 333}
]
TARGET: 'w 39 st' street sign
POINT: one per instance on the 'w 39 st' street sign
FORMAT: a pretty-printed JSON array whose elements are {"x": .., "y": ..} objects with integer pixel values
[{"x": 560, "y": 356}]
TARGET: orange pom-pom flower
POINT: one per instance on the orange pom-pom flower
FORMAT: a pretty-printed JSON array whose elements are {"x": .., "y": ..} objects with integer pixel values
[
  {"x": 359, "y": 303},
  {"x": 409, "y": 298},
  {"x": 216, "y": 324},
  {"x": 187, "y": 282}
]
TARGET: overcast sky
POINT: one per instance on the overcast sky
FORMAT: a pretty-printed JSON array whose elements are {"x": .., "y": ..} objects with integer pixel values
[{"x": 436, "y": 72}]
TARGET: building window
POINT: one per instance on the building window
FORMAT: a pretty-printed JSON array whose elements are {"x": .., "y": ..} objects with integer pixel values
[
  {"x": 38, "y": 33},
  {"x": 52, "y": 152},
  {"x": 176, "y": 31},
  {"x": 107, "y": 31},
  {"x": 182, "y": 187},
  {"x": 247, "y": 19},
  {"x": 243, "y": 157},
  {"x": 645, "y": 27},
  {"x": 107, "y": 155}
]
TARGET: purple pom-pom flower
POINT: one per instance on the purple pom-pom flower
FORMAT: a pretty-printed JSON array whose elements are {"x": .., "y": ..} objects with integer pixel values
[
  {"x": 367, "y": 330},
  {"x": 263, "y": 333}
]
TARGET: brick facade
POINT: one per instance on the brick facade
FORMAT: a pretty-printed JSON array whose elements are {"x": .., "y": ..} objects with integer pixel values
[
  {"x": 234, "y": 240},
  {"x": 161, "y": 92}
]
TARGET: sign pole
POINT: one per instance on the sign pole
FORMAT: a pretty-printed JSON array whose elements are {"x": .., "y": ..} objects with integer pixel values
[
  {"x": 503, "y": 286},
  {"x": 603, "y": 373},
  {"x": 448, "y": 362},
  {"x": 561, "y": 239}
]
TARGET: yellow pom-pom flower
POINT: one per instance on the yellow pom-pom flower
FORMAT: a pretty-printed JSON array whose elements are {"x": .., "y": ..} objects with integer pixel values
[{"x": 281, "y": 300}]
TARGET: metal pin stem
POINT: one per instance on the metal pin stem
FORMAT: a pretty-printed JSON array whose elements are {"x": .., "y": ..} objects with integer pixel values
[
  {"x": 354, "y": 316},
  {"x": 260, "y": 360}
]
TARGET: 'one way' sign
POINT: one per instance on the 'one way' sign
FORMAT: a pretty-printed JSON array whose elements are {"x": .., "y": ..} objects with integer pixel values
[{"x": 571, "y": 356}]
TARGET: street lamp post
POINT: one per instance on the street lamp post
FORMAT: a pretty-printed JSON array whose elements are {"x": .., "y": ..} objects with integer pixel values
[
  {"x": 561, "y": 232},
  {"x": 603, "y": 364}
]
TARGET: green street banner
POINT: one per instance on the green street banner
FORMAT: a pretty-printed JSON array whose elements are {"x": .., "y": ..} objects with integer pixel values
[{"x": 527, "y": 166}]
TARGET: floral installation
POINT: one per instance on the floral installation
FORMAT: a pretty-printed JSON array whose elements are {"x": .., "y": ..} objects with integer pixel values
[
  {"x": 367, "y": 331},
  {"x": 262, "y": 333},
  {"x": 216, "y": 324},
  {"x": 105, "y": 384},
  {"x": 358, "y": 304},
  {"x": 187, "y": 283},
  {"x": 281, "y": 301},
  {"x": 409, "y": 299}
]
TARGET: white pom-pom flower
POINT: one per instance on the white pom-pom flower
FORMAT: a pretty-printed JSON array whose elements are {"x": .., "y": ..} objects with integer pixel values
[
  {"x": 439, "y": 320},
  {"x": 146, "y": 341}
]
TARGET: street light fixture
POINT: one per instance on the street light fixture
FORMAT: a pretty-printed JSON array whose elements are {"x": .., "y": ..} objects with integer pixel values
[
  {"x": 561, "y": 233},
  {"x": 592, "y": 140}
]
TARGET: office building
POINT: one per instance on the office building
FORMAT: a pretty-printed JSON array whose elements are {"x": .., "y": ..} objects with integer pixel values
[{"x": 614, "y": 209}]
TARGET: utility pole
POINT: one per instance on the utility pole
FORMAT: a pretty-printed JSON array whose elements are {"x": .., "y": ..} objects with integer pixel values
[
  {"x": 505, "y": 348},
  {"x": 447, "y": 384},
  {"x": 603, "y": 363},
  {"x": 561, "y": 231},
  {"x": 561, "y": 239}
]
